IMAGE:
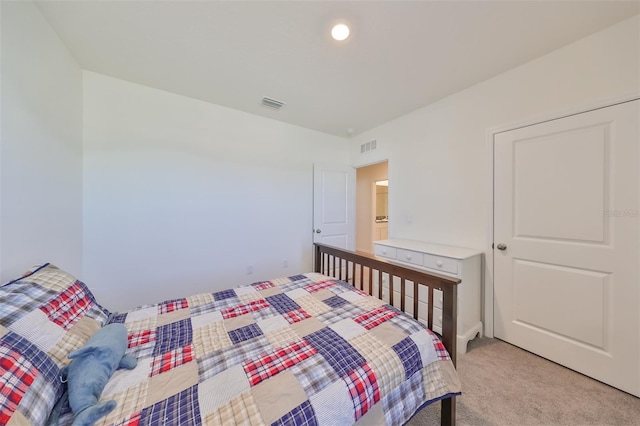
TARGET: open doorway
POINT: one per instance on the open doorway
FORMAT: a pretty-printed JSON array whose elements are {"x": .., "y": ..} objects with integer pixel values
[
  {"x": 381, "y": 225},
  {"x": 372, "y": 217}
]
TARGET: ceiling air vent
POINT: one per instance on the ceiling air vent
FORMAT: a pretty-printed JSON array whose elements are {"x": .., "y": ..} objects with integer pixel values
[
  {"x": 272, "y": 103},
  {"x": 369, "y": 146}
]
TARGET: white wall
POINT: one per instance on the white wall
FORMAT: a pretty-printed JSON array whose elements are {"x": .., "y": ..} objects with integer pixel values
[
  {"x": 179, "y": 192},
  {"x": 40, "y": 148},
  {"x": 180, "y": 195},
  {"x": 438, "y": 154}
]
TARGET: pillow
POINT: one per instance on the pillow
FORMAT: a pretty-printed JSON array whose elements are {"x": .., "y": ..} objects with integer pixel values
[{"x": 44, "y": 315}]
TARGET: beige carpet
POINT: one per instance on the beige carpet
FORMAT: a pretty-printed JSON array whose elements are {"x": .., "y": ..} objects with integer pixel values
[{"x": 505, "y": 385}]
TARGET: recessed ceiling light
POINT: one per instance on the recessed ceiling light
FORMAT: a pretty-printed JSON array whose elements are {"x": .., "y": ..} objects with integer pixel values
[{"x": 340, "y": 32}]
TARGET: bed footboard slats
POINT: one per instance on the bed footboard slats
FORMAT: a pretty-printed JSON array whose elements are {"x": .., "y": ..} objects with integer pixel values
[
  {"x": 403, "y": 293},
  {"x": 430, "y": 303},
  {"x": 366, "y": 272},
  {"x": 359, "y": 268},
  {"x": 335, "y": 262}
]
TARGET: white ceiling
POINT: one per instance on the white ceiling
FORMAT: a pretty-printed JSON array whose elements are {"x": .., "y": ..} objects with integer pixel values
[{"x": 400, "y": 56}]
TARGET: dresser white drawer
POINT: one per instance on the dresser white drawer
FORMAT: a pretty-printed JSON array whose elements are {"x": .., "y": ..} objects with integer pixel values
[
  {"x": 385, "y": 251},
  {"x": 410, "y": 256},
  {"x": 445, "y": 264}
]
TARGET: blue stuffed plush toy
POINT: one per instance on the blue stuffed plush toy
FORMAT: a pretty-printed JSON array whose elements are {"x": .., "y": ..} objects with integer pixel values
[{"x": 90, "y": 369}]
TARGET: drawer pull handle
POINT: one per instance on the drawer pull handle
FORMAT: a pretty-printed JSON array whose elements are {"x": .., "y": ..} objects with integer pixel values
[
  {"x": 439, "y": 263},
  {"x": 408, "y": 257},
  {"x": 384, "y": 252}
]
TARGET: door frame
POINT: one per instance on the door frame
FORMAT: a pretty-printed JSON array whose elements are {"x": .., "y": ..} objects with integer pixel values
[
  {"x": 488, "y": 297},
  {"x": 372, "y": 194}
]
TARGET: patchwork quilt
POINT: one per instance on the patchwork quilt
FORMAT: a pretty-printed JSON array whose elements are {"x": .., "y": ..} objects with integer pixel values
[{"x": 303, "y": 350}]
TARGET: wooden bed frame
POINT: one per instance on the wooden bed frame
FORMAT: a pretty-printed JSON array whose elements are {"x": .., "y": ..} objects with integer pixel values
[{"x": 359, "y": 268}]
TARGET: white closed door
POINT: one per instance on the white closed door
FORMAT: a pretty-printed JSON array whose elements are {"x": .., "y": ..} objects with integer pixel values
[
  {"x": 566, "y": 261},
  {"x": 334, "y": 206}
]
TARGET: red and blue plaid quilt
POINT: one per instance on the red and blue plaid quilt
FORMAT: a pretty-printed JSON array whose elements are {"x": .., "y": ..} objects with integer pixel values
[{"x": 303, "y": 350}]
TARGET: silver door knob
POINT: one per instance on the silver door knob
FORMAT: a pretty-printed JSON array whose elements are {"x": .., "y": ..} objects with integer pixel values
[
  {"x": 501, "y": 246},
  {"x": 318, "y": 231}
]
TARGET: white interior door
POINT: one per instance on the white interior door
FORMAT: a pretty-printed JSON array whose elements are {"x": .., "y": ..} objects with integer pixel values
[
  {"x": 334, "y": 206},
  {"x": 566, "y": 272}
]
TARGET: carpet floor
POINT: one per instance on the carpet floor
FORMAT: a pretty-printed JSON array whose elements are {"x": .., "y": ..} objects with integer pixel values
[{"x": 505, "y": 385}]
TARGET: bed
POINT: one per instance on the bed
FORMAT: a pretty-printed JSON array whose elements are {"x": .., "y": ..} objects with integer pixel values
[{"x": 315, "y": 348}]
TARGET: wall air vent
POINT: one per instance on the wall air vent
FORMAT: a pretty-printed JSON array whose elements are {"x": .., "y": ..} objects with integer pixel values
[
  {"x": 272, "y": 103},
  {"x": 369, "y": 146}
]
